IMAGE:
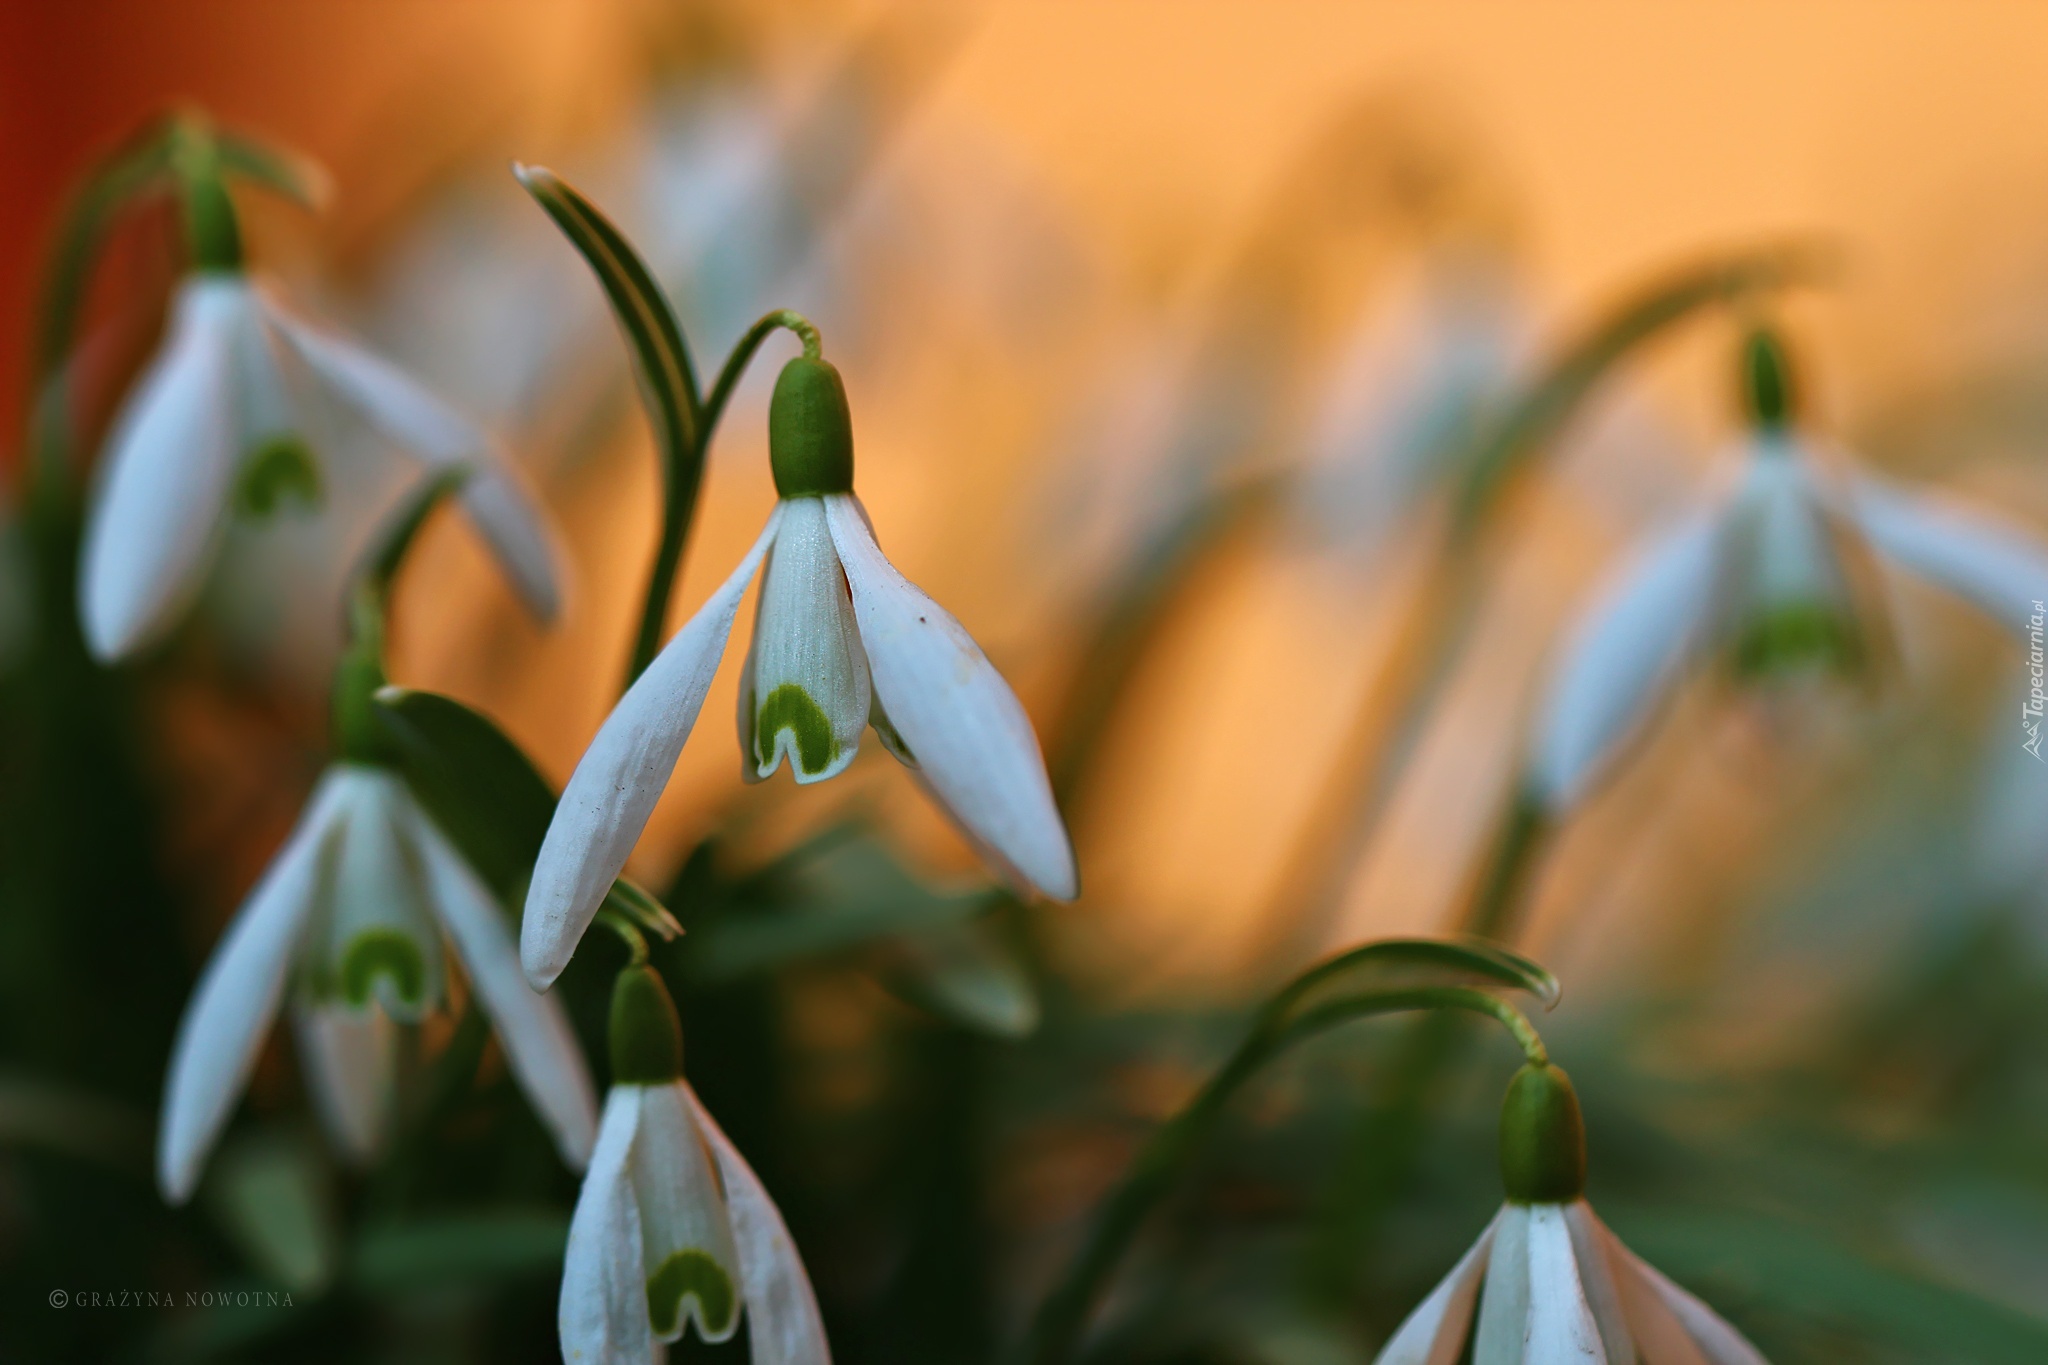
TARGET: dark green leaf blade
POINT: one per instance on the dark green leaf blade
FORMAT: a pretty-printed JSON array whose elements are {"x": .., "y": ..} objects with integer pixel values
[{"x": 478, "y": 785}]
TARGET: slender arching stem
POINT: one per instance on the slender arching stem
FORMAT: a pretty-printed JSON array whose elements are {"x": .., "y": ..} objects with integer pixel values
[
  {"x": 1058, "y": 1324},
  {"x": 683, "y": 475},
  {"x": 629, "y": 934}
]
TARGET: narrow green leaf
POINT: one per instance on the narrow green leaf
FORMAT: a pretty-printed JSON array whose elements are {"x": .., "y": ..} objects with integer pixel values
[
  {"x": 478, "y": 785},
  {"x": 667, "y": 382},
  {"x": 1410, "y": 964},
  {"x": 661, "y": 359},
  {"x": 1536, "y": 417}
]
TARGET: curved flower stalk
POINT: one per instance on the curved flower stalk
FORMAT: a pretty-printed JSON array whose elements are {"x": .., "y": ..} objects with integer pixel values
[
  {"x": 1773, "y": 579},
  {"x": 672, "y": 1227},
  {"x": 359, "y": 919},
  {"x": 219, "y": 422},
  {"x": 841, "y": 641},
  {"x": 1547, "y": 1283}
]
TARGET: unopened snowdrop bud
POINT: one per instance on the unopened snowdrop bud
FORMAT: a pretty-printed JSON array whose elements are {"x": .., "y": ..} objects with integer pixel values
[
  {"x": 810, "y": 430},
  {"x": 1542, "y": 1138}
]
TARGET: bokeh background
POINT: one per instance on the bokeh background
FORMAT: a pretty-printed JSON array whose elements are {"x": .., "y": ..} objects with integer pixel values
[{"x": 1098, "y": 273}]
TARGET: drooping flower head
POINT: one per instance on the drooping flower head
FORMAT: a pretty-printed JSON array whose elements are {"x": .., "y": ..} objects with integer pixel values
[
  {"x": 1547, "y": 1283},
  {"x": 841, "y": 642},
  {"x": 358, "y": 922},
  {"x": 220, "y": 424},
  {"x": 1776, "y": 580},
  {"x": 672, "y": 1227}
]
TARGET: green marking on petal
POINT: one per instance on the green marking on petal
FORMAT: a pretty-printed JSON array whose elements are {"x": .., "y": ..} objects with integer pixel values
[
  {"x": 790, "y": 708},
  {"x": 281, "y": 468},
  {"x": 1798, "y": 635},
  {"x": 686, "y": 1273},
  {"x": 383, "y": 953}
]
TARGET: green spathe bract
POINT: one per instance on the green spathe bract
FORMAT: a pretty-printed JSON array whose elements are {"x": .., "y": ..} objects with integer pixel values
[
  {"x": 810, "y": 430},
  {"x": 1768, "y": 389},
  {"x": 385, "y": 953},
  {"x": 278, "y": 470},
  {"x": 685, "y": 1273},
  {"x": 1542, "y": 1138},
  {"x": 791, "y": 708},
  {"x": 646, "y": 1034}
]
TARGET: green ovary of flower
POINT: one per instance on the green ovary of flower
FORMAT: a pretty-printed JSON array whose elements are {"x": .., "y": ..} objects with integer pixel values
[
  {"x": 1797, "y": 635},
  {"x": 790, "y": 708},
  {"x": 280, "y": 468},
  {"x": 383, "y": 953},
  {"x": 684, "y": 1273}
]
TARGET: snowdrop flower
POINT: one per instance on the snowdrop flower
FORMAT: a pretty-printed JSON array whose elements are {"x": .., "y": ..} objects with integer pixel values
[
  {"x": 1774, "y": 579},
  {"x": 217, "y": 422},
  {"x": 841, "y": 641},
  {"x": 351, "y": 919},
  {"x": 1547, "y": 1283},
  {"x": 672, "y": 1226}
]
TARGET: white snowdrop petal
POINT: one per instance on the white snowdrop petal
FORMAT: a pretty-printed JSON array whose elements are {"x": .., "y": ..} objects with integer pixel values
[
  {"x": 350, "y": 1060},
  {"x": 620, "y": 777},
  {"x": 971, "y": 740},
  {"x": 1982, "y": 558},
  {"x": 784, "y": 1326},
  {"x": 497, "y": 498},
  {"x": 807, "y": 686},
  {"x": 1620, "y": 658},
  {"x": 602, "y": 1314},
  {"x": 1561, "y": 1330},
  {"x": 1502, "y": 1334},
  {"x": 1434, "y": 1334},
  {"x": 237, "y": 998},
  {"x": 1599, "y": 1276},
  {"x": 686, "y": 1240},
  {"x": 540, "y": 1047},
  {"x": 162, "y": 489}
]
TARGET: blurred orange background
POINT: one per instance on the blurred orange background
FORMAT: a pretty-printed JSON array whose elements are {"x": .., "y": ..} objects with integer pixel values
[{"x": 1632, "y": 136}]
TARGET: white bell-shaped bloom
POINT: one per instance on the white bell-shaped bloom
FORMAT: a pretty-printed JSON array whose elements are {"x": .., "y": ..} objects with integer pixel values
[
  {"x": 351, "y": 917},
  {"x": 218, "y": 418},
  {"x": 1548, "y": 1284},
  {"x": 1773, "y": 575},
  {"x": 672, "y": 1228},
  {"x": 841, "y": 641}
]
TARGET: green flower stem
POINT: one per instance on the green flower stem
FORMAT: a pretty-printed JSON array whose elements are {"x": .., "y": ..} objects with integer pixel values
[
  {"x": 629, "y": 934},
  {"x": 1057, "y": 1326},
  {"x": 1495, "y": 908},
  {"x": 683, "y": 475}
]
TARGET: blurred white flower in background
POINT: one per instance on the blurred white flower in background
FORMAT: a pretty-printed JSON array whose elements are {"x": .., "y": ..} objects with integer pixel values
[
  {"x": 219, "y": 423},
  {"x": 1775, "y": 578}
]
